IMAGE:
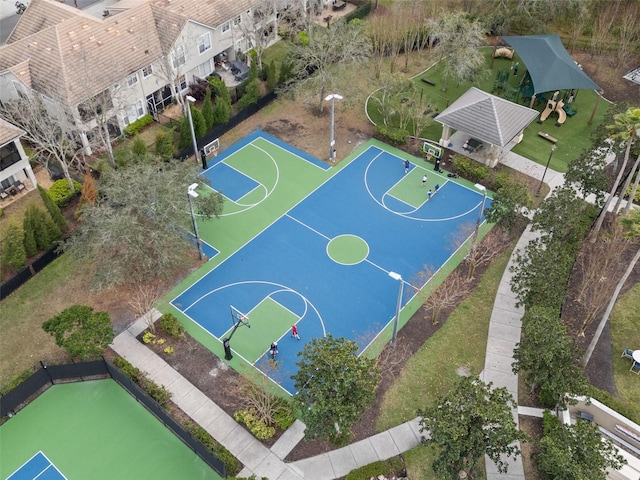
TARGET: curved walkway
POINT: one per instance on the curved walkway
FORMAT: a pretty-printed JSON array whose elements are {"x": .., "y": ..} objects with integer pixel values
[{"x": 504, "y": 333}]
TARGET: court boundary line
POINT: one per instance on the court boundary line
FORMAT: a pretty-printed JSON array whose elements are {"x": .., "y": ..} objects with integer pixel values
[{"x": 51, "y": 464}]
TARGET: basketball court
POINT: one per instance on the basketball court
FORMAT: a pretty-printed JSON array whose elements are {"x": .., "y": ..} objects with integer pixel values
[{"x": 301, "y": 242}]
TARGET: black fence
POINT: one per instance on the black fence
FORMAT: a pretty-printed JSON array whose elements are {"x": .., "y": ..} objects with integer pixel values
[
  {"x": 52, "y": 374},
  {"x": 219, "y": 130},
  {"x": 24, "y": 275}
]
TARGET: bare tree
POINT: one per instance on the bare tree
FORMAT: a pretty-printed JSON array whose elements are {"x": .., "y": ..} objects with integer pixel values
[
  {"x": 447, "y": 294},
  {"x": 259, "y": 30},
  {"x": 50, "y": 129},
  {"x": 341, "y": 44},
  {"x": 141, "y": 299},
  {"x": 628, "y": 34}
]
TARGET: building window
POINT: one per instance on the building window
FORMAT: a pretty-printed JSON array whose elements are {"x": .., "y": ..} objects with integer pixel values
[
  {"x": 146, "y": 71},
  {"x": 204, "y": 42},
  {"x": 179, "y": 57},
  {"x": 182, "y": 82},
  {"x": 205, "y": 69},
  {"x": 132, "y": 79},
  {"x": 134, "y": 112},
  {"x": 237, "y": 21},
  {"x": 225, "y": 27}
]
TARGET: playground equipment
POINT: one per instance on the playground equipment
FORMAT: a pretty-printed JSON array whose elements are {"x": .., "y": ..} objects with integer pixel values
[
  {"x": 503, "y": 52},
  {"x": 562, "y": 115},
  {"x": 551, "y": 106}
]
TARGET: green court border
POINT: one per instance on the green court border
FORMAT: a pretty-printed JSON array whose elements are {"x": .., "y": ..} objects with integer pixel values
[
  {"x": 97, "y": 430},
  {"x": 298, "y": 179}
]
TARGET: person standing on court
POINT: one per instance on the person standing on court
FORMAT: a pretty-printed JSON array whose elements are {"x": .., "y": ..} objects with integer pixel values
[
  {"x": 429, "y": 193},
  {"x": 407, "y": 165},
  {"x": 294, "y": 332},
  {"x": 424, "y": 180},
  {"x": 273, "y": 350}
]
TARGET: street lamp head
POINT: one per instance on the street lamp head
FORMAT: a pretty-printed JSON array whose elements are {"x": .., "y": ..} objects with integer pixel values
[
  {"x": 193, "y": 186},
  {"x": 395, "y": 276},
  {"x": 193, "y": 194},
  {"x": 480, "y": 187},
  {"x": 190, "y": 99},
  {"x": 553, "y": 148},
  {"x": 331, "y": 96}
]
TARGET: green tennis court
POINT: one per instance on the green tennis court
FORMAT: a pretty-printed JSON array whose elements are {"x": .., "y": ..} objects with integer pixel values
[{"x": 94, "y": 430}]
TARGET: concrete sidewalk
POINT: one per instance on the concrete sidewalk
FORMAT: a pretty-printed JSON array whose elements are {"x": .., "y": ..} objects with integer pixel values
[{"x": 257, "y": 459}]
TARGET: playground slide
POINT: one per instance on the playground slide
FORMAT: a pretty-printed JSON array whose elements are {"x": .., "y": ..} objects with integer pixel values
[
  {"x": 562, "y": 115},
  {"x": 551, "y": 106}
]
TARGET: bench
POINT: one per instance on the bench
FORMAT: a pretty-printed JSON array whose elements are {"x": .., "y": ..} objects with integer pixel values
[
  {"x": 584, "y": 416},
  {"x": 338, "y": 6},
  {"x": 546, "y": 136},
  {"x": 428, "y": 81},
  {"x": 472, "y": 145}
]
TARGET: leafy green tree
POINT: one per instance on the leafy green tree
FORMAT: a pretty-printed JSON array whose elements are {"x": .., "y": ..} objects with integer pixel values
[
  {"x": 251, "y": 94},
  {"x": 80, "y": 331},
  {"x": 207, "y": 109},
  {"x": 164, "y": 146},
  {"x": 45, "y": 231},
  {"x": 334, "y": 387},
  {"x": 458, "y": 38},
  {"x": 30, "y": 246},
  {"x": 510, "y": 198},
  {"x": 575, "y": 452},
  {"x": 139, "y": 148},
  {"x": 549, "y": 356},
  {"x": 185, "y": 133},
  {"x": 272, "y": 76},
  {"x": 53, "y": 209},
  {"x": 472, "y": 421},
  {"x": 586, "y": 173},
  {"x": 136, "y": 230},
  {"x": 199, "y": 123},
  {"x": 564, "y": 217},
  {"x": 222, "y": 107},
  {"x": 13, "y": 255}
]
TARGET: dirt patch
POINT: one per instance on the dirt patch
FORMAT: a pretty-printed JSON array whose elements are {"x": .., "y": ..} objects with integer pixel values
[{"x": 532, "y": 427}]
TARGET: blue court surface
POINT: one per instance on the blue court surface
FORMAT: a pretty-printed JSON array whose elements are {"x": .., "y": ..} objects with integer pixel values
[
  {"x": 37, "y": 467},
  {"x": 324, "y": 265}
]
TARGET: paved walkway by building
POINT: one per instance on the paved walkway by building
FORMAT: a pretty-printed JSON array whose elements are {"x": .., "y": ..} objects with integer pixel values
[{"x": 504, "y": 333}]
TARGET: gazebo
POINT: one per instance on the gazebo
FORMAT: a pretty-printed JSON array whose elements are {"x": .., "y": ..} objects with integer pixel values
[{"x": 485, "y": 118}]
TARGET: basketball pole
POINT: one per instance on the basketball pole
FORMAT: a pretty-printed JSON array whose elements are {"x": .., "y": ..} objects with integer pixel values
[{"x": 226, "y": 342}]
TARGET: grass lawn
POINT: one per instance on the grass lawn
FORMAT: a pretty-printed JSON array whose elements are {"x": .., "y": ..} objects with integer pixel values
[
  {"x": 431, "y": 372},
  {"x": 625, "y": 333},
  {"x": 573, "y": 136}
]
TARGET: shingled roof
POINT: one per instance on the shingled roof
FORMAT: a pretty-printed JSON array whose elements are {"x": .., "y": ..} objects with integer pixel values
[
  {"x": 9, "y": 132},
  {"x": 487, "y": 117},
  {"x": 80, "y": 56}
]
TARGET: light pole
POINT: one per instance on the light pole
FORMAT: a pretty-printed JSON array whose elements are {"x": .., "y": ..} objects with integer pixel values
[
  {"x": 479, "y": 220},
  {"x": 191, "y": 193},
  {"x": 332, "y": 144},
  {"x": 191, "y": 100},
  {"x": 398, "y": 277},
  {"x": 553, "y": 149}
]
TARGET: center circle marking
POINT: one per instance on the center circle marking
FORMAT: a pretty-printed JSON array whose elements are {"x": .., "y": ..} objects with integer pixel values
[{"x": 347, "y": 249}]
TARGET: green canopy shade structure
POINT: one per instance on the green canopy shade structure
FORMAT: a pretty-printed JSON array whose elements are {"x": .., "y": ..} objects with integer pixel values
[{"x": 549, "y": 64}]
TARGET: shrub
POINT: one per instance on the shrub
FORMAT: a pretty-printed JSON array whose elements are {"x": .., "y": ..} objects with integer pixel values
[
  {"x": 257, "y": 427},
  {"x": 158, "y": 392},
  {"x": 169, "y": 350},
  {"x": 470, "y": 169},
  {"x": 272, "y": 76},
  {"x": 392, "y": 467},
  {"x": 199, "y": 123},
  {"x": 126, "y": 368},
  {"x": 136, "y": 127},
  {"x": 29, "y": 238},
  {"x": 61, "y": 194},
  {"x": 53, "y": 209},
  {"x": 207, "y": 108},
  {"x": 139, "y": 148},
  {"x": 171, "y": 326},
  {"x": 251, "y": 94},
  {"x": 284, "y": 418},
  {"x": 1, "y": 212},
  {"x": 360, "y": 12},
  {"x": 13, "y": 254},
  {"x": 148, "y": 337},
  {"x": 395, "y": 136},
  {"x": 232, "y": 465},
  {"x": 164, "y": 146}
]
